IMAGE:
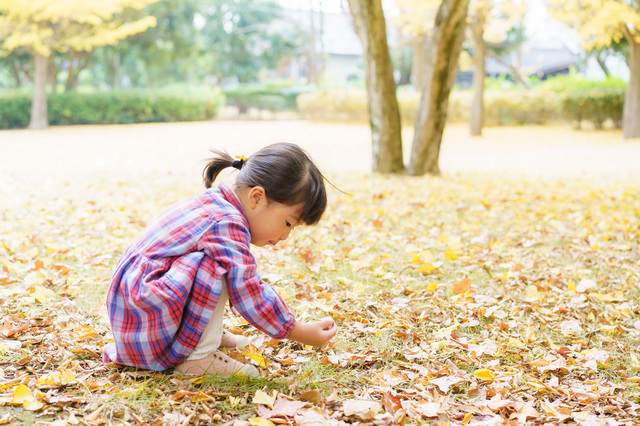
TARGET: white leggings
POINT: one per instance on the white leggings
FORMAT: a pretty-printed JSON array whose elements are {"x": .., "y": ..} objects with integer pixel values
[{"x": 212, "y": 334}]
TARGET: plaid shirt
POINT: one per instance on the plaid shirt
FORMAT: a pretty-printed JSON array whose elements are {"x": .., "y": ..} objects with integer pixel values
[{"x": 168, "y": 282}]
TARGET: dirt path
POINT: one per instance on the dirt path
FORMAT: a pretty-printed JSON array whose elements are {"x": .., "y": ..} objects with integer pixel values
[{"x": 180, "y": 147}]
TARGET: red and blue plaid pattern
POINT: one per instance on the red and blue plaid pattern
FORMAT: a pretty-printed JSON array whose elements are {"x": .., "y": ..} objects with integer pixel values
[{"x": 168, "y": 282}]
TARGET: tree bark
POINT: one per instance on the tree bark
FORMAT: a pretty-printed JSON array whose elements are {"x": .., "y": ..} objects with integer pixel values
[
  {"x": 52, "y": 73},
  {"x": 601, "y": 59},
  {"x": 476, "y": 115},
  {"x": 431, "y": 117},
  {"x": 39, "y": 102},
  {"x": 631, "y": 112},
  {"x": 77, "y": 62},
  {"x": 384, "y": 113},
  {"x": 418, "y": 51}
]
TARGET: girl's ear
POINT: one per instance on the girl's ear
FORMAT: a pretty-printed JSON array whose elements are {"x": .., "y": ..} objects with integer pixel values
[{"x": 257, "y": 195}]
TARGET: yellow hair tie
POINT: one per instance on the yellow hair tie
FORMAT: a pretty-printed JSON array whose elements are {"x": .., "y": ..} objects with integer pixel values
[{"x": 241, "y": 157}]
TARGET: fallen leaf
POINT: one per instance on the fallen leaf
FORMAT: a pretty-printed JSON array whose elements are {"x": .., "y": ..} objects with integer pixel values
[
  {"x": 484, "y": 374},
  {"x": 462, "y": 286},
  {"x": 259, "y": 421},
  {"x": 364, "y": 409},
  {"x": 22, "y": 394},
  {"x": 283, "y": 407},
  {"x": 261, "y": 397}
]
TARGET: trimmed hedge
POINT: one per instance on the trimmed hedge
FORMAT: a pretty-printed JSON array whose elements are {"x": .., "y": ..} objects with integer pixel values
[
  {"x": 274, "y": 96},
  {"x": 500, "y": 107},
  {"x": 594, "y": 105},
  {"x": 110, "y": 108}
]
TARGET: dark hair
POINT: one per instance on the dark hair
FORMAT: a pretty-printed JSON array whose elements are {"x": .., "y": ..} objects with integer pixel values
[{"x": 284, "y": 170}]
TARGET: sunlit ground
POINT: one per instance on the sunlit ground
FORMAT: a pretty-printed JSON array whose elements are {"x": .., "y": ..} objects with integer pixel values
[{"x": 504, "y": 291}]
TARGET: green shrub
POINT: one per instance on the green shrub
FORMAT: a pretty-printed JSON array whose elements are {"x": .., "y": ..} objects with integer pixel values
[
  {"x": 574, "y": 82},
  {"x": 582, "y": 99},
  {"x": 124, "y": 107},
  {"x": 594, "y": 105},
  {"x": 15, "y": 109},
  {"x": 517, "y": 107},
  {"x": 274, "y": 96}
]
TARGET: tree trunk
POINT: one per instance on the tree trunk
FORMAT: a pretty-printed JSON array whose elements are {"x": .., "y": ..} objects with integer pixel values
[
  {"x": 39, "y": 102},
  {"x": 53, "y": 74},
  {"x": 418, "y": 61},
  {"x": 77, "y": 62},
  {"x": 431, "y": 117},
  {"x": 112, "y": 67},
  {"x": 601, "y": 59},
  {"x": 631, "y": 112},
  {"x": 312, "y": 69},
  {"x": 384, "y": 113},
  {"x": 476, "y": 115},
  {"x": 15, "y": 72}
]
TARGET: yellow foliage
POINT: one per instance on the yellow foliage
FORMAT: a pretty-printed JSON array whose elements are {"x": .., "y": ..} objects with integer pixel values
[
  {"x": 599, "y": 22},
  {"x": 43, "y": 26},
  {"x": 484, "y": 374}
]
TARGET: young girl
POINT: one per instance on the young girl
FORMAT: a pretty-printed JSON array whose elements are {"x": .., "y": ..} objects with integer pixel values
[{"x": 167, "y": 296}]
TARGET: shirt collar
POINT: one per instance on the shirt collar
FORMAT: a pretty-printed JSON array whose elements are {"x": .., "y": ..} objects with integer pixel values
[{"x": 230, "y": 195}]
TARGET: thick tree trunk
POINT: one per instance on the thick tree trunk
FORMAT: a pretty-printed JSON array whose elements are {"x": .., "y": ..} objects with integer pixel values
[
  {"x": 384, "y": 113},
  {"x": 476, "y": 115},
  {"x": 445, "y": 47},
  {"x": 39, "y": 102},
  {"x": 631, "y": 112}
]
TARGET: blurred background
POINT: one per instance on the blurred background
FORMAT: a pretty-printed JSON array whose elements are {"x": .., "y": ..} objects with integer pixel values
[{"x": 128, "y": 61}]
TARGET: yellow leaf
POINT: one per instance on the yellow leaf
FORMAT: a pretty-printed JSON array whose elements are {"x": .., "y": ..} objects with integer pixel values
[
  {"x": 34, "y": 405},
  {"x": 261, "y": 397},
  {"x": 250, "y": 351},
  {"x": 450, "y": 255},
  {"x": 57, "y": 378},
  {"x": 22, "y": 394},
  {"x": 32, "y": 252},
  {"x": 234, "y": 400},
  {"x": 426, "y": 268},
  {"x": 42, "y": 294},
  {"x": 515, "y": 343},
  {"x": 260, "y": 421},
  {"x": 571, "y": 286},
  {"x": 484, "y": 374},
  {"x": 467, "y": 418},
  {"x": 432, "y": 287},
  {"x": 532, "y": 293},
  {"x": 417, "y": 259}
]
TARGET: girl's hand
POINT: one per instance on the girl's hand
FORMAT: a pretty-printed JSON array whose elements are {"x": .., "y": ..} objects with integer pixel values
[{"x": 316, "y": 333}]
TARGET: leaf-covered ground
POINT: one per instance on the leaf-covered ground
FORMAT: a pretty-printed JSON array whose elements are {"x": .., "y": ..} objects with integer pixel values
[{"x": 474, "y": 298}]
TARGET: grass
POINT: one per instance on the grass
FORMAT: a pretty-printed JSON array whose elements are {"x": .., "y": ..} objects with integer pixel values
[{"x": 525, "y": 243}]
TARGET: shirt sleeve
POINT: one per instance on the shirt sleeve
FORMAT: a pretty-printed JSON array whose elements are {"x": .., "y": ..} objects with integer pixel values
[{"x": 228, "y": 244}]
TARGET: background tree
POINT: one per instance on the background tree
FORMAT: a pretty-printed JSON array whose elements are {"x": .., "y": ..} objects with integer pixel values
[
  {"x": 490, "y": 23},
  {"x": 54, "y": 25},
  {"x": 444, "y": 52},
  {"x": 384, "y": 114},
  {"x": 244, "y": 36},
  {"x": 415, "y": 21},
  {"x": 602, "y": 23}
]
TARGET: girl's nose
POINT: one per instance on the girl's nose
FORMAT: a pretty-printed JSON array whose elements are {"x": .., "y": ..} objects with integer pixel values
[{"x": 285, "y": 235}]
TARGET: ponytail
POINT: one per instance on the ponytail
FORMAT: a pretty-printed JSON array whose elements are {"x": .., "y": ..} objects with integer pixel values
[{"x": 216, "y": 164}]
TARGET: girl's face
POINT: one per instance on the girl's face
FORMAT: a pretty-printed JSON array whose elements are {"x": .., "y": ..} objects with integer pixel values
[{"x": 269, "y": 222}]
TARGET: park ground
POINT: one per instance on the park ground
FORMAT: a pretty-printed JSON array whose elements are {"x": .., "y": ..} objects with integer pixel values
[{"x": 505, "y": 291}]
